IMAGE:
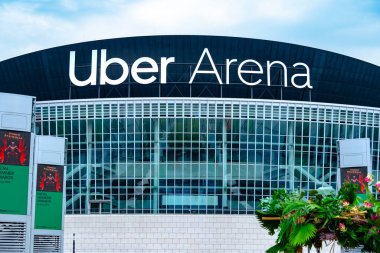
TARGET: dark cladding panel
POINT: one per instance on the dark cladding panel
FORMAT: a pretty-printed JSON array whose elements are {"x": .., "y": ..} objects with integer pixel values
[
  {"x": 138, "y": 90},
  {"x": 77, "y": 92},
  {"x": 201, "y": 90},
  {"x": 335, "y": 78},
  {"x": 236, "y": 91}
]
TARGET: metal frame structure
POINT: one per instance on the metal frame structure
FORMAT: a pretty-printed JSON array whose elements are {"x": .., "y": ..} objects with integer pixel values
[{"x": 187, "y": 155}]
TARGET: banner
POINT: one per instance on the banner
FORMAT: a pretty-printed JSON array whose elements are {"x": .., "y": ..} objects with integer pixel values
[
  {"x": 49, "y": 197},
  {"x": 355, "y": 175},
  {"x": 14, "y": 170}
]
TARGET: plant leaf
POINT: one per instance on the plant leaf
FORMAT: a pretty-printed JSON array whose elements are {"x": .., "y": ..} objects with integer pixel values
[
  {"x": 302, "y": 233},
  {"x": 296, "y": 205},
  {"x": 276, "y": 248},
  {"x": 271, "y": 226}
]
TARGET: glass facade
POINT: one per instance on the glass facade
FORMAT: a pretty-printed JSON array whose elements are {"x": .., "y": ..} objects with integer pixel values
[{"x": 198, "y": 155}]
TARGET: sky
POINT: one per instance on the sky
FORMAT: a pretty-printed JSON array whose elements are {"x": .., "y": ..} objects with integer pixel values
[{"x": 349, "y": 27}]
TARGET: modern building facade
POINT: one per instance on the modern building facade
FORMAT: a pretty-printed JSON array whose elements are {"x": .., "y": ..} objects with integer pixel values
[
  {"x": 194, "y": 128},
  {"x": 216, "y": 156}
]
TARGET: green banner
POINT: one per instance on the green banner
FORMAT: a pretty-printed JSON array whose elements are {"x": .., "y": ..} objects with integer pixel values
[
  {"x": 13, "y": 189},
  {"x": 14, "y": 172},
  {"x": 49, "y": 197},
  {"x": 48, "y": 214}
]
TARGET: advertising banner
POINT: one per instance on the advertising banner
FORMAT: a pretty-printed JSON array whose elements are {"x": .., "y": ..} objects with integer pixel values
[
  {"x": 354, "y": 163},
  {"x": 14, "y": 171},
  {"x": 16, "y": 155},
  {"x": 49, "y": 197},
  {"x": 355, "y": 175}
]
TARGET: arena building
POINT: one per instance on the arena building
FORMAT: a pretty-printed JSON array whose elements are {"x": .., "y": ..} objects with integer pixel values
[{"x": 173, "y": 140}]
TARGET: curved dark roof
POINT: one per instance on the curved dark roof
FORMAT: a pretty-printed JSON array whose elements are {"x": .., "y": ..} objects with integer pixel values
[{"x": 335, "y": 78}]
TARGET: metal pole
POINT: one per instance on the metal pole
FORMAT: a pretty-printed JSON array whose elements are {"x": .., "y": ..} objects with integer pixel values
[{"x": 73, "y": 242}]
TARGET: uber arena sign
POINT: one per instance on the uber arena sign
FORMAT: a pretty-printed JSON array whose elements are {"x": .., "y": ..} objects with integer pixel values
[{"x": 255, "y": 72}]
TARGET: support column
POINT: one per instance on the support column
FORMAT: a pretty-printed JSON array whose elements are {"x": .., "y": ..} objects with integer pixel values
[
  {"x": 156, "y": 165},
  {"x": 224, "y": 163},
  {"x": 290, "y": 154},
  {"x": 90, "y": 141}
]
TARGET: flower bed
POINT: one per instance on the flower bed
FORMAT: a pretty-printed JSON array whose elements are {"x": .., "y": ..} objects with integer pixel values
[{"x": 347, "y": 219}]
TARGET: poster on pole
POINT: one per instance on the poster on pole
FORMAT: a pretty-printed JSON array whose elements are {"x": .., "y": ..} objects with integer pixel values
[
  {"x": 354, "y": 163},
  {"x": 49, "y": 197},
  {"x": 14, "y": 171},
  {"x": 355, "y": 175},
  {"x": 16, "y": 163}
]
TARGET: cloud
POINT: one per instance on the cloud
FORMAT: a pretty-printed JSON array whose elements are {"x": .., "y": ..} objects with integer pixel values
[
  {"x": 21, "y": 17},
  {"x": 276, "y": 11},
  {"x": 369, "y": 54},
  {"x": 23, "y": 29},
  {"x": 69, "y": 5},
  {"x": 28, "y": 26},
  {"x": 182, "y": 15}
]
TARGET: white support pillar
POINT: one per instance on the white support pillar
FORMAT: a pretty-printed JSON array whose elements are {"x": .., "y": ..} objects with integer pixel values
[
  {"x": 224, "y": 160},
  {"x": 156, "y": 165},
  {"x": 90, "y": 144},
  {"x": 291, "y": 154}
]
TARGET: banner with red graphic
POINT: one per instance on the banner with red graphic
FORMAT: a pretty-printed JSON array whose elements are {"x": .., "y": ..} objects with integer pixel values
[
  {"x": 14, "y": 171},
  {"x": 49, "y": 197},
  {"x": 356, "y": 176},
  {"x": 49, "y": 178},
  {"x": 15, "y": 147}
]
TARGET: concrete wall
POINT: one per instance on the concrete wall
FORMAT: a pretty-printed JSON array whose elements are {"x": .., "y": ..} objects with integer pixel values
[{"x": 166, "y": 233}]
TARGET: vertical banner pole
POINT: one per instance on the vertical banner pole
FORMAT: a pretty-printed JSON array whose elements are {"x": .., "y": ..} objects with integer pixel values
[
  {"x": 354, "y": 162},
  {"x": 16, "y": 162},
  {"x": 73, "y": 242},
  {"x": 48, "y": 194}
]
